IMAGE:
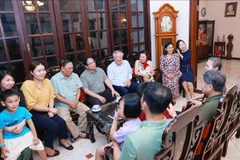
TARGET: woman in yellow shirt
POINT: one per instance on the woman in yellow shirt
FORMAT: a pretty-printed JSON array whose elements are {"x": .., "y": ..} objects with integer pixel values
[{"x": 39, "y": 95}]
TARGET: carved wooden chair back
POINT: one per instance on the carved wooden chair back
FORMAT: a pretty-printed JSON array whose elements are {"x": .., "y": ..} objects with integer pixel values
[
  {"x": 106, "y": 61},
  {"x": 233, "y": 119},
  {"x": 182, "y": 136},
  {"x": 212, "y": 144},
  {"x": 132, "y": 57}
]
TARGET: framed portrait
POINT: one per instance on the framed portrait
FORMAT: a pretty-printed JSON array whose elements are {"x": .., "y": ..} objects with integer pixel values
[{"x": 231, "y": 9}]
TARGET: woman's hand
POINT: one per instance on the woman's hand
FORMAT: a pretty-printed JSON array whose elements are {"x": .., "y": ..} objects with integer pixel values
[
  {"x": 50, "y": 114},
  {"x": 53, "y": 110}
]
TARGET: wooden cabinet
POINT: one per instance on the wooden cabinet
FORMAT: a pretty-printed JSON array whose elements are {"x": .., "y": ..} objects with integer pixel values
[
  {"x": 208, "y": 27},
  {"x": 202, "y": 52}
]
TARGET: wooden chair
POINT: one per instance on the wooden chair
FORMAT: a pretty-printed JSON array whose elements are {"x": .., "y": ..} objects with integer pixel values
[
  {"x": 132, "y": 57},
  {"x": 106, "y": 61},
  {"x": 212, "y": 143},
  {"x": 233, "y": 119},
  {"x": 182, "y": 136}
]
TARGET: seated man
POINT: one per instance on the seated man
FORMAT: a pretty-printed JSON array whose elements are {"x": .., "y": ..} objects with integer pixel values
[
  {"x": 146, "y": 141},
  {"x": 120, "y": 74},
  {"x": 213, "y": 86},
  {"x": 213, "y": 63},
  {"x": 67, "y": 86},
  {"x": 93, "y": 79}
]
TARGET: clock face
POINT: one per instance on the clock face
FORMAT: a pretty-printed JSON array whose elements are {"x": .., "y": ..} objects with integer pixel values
[
  {"x": 166, "y": 24},
  {"x": 203, "y": 11}
]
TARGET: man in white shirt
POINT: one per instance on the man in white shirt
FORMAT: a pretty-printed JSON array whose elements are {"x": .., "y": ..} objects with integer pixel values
[{"x": 120, "y": 74}]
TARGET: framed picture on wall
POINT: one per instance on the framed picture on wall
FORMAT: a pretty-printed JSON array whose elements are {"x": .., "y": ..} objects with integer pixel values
[{"x": 231, "y": 9}]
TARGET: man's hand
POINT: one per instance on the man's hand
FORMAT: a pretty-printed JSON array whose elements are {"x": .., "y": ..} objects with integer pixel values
[
  {"x": 115, "y": 93},
  {"x": 35, "y": 140},
  {"x": 73, "y": 104},
  {"x": 127, "y": 83},
  {"x": 171, "y": 110},
  {"x": 102, "y": 99},
  {"x": 195, "y": 103},
  {"x": 4, "y": 152}
]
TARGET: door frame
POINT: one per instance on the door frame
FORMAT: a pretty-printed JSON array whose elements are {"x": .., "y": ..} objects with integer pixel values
[{"x": 193, "y": 30}]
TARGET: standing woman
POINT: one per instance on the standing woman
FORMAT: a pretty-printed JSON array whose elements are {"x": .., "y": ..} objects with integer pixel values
[
  {"x": 144, "y": 68},
  {"x": 187, "y": 77},
  {"x": 169, "y": 65},
  {"x": 39, "y": 95}
]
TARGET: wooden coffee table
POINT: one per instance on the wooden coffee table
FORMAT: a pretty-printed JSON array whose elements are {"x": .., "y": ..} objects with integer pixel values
[{"x": 102, "y": 119}]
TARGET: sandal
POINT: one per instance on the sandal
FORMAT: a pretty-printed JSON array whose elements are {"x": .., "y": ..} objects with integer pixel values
[
  {"x": 87, "y": 136},
  {"x": 72, "y": 139}
]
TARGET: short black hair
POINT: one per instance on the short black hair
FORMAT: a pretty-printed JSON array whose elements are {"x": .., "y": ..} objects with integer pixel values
[
  {"x": 63, "y": 62},
  {"x": 8, "y": 93},
  {"x": 157, "y": 97},
  {"x": 140, "y": 88},
  {"x": 165, "y": 46},
  {"x": 132, "y": 106},
  {"x": 216, "y": 78}
]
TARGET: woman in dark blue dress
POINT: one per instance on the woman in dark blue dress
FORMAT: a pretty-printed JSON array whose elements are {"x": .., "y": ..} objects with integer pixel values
[{"x": 187, "y": 77}]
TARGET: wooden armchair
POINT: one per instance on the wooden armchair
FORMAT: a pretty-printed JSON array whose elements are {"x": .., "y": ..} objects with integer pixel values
[
  {"x": 215, "y": 133},
  {"x": 233, "y": 118},
  {"x": 106, "y": 61},
  {"x": 182, "y": 136}
]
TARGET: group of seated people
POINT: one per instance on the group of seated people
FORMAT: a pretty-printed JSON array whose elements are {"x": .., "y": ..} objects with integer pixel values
[{"x": 46, "y": 104}]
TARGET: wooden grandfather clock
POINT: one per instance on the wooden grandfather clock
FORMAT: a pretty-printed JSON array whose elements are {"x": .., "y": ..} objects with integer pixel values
[{"x": 165, "y": 29}]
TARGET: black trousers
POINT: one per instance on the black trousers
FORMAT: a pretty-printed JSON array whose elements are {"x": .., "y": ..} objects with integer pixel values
[
  {"x": 107, "y": 94},
  {"x": 53, "y": 127}
]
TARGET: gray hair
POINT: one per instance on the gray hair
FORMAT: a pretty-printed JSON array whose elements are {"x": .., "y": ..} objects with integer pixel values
[
  {"x": 117, "y": 51},
  {"x": 216, "y": 78},
  {"x": 217, "y": 62}
]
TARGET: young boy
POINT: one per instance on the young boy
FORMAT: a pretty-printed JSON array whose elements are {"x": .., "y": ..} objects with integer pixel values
[{"x": 14, "y": 143}]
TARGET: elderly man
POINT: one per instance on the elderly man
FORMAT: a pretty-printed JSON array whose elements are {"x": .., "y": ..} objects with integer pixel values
[
  {"x": 213, "y": 86},
  {"x": 146, "y": 141},
  {"x": 120, "y": 74},
  {"x": 94, "y": 79},
  {"x": 213, "y": 63},
  {"x": 67, "y": 90}
]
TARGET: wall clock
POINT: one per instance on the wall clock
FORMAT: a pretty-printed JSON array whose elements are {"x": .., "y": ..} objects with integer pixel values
[
  {"x": 203, "y": 11},
  {"x": 165, "y": 28}
]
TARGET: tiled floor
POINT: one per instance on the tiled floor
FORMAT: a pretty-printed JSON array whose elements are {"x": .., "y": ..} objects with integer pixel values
[{"x": 83, "y": 147}]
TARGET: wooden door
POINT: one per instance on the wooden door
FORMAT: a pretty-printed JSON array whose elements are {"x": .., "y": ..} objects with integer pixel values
[
  {"x": 39, "y": 32},
  {"x": 129, "y": 25},
  {"x": 12, "y": 53}
]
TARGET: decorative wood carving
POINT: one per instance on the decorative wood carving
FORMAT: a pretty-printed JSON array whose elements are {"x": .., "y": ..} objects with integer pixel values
[{"x": 165, "y": 28}]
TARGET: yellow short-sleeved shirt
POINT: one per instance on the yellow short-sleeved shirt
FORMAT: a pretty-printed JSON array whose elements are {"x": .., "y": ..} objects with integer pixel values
[{"x": 35, "y": 95}]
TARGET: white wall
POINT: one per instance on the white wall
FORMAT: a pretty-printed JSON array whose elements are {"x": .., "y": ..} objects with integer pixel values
[
  {"x": 224, "y": 25},
  {"x": 182, "y": 21}
]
